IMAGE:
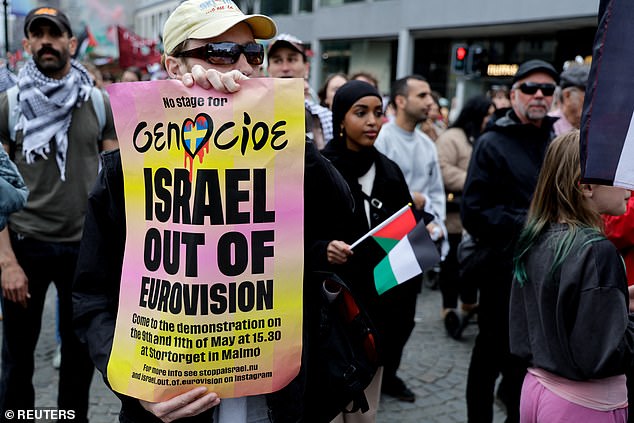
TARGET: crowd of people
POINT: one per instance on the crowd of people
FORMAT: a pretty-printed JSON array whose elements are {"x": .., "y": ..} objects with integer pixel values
[{"x": 525, "y": 247}]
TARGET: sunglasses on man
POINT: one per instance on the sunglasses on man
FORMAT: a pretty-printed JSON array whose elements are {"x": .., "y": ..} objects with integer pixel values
[
  {"x": 531, "y": 88},
  {"x": 226, "y": 53}
]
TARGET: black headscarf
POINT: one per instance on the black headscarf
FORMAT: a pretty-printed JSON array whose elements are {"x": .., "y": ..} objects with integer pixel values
[{"x": 349, "y": 162}]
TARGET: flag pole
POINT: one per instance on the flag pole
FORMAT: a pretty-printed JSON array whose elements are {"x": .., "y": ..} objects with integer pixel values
[
  {"x": 5, "y": 3},
  {"x": 382, "y": 225}
]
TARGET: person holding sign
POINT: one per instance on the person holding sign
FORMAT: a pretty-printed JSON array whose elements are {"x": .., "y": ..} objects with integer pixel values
[
  {"x": 208, "y": 40},
  {"x": 224, "y": 56}
]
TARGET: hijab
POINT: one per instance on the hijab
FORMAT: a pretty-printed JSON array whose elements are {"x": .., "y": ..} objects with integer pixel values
[{"x": 350, "y": 163}]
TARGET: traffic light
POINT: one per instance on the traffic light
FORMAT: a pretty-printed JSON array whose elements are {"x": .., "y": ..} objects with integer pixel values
[
  {"x": 476, "y": 60},
  {"x": 459, "y": 58}
]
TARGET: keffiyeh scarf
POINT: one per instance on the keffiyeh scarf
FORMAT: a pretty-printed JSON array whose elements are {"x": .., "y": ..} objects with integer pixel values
[
  {"x": 7, "y": 79},
  {"x": 46, "y": 107}
]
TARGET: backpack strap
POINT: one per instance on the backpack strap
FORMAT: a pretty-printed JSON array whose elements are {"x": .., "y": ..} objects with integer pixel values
[
  {"x": 96, "y": 95},
  {"x": 14, "y": 112}
]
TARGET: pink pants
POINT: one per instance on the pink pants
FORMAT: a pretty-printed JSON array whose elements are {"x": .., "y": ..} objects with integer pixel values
[{"x": 539, "y": 405}]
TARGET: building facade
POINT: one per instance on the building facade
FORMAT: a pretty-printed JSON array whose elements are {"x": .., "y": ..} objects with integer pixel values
[{"x": 393, "y": 38}]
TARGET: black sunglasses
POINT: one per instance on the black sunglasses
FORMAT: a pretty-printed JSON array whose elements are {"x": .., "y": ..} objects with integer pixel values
[
  {"x": 531, "y": 88},
  {"x": 226, "y": 53}
]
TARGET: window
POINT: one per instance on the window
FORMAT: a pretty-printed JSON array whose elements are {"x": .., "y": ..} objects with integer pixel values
[
  {"x": 335, "y": 57},
  {"x": 305, "y": 5},
  {"x": 276, "y": 7},
  {"x": 337, "y": 2}
]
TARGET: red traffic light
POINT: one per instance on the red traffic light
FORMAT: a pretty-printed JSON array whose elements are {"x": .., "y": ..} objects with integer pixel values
[
  {"x": 461, "y": 53},
  {"x": 458, "y": 60}
]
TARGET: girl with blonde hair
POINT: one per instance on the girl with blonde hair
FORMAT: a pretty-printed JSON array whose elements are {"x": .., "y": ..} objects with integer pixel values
[{"x": 569, "y": 300}]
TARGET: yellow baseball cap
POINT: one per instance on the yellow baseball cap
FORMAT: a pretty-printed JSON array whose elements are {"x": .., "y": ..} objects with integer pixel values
[{"x": 200, "y": 19}]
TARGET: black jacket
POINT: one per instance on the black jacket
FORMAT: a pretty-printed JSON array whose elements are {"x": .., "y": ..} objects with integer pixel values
[
  {"x": 328, "y": 207},
  {"x": 501, "y": 179},
  {"x": 390, "y": 191},
  {"x": 575, "y": 322},
  {"x": 328, "y": 216}
]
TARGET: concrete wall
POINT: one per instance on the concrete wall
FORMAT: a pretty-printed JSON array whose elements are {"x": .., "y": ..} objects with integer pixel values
[
  {"x": 406, "y": 20},
  {"x": 387, "y": 18}
]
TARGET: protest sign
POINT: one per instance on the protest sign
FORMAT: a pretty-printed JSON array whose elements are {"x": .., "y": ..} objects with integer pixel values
[{"x": 211, "y": 286}]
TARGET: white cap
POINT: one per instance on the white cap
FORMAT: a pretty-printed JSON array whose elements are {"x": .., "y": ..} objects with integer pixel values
[{"x": 200, "y": 19}]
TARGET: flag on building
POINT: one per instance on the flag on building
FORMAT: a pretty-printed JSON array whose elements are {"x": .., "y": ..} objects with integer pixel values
[
  {"x": 409, "y": 257},
  {"x": 135, "y": 50},
  {"x": 607, "y": 123}
]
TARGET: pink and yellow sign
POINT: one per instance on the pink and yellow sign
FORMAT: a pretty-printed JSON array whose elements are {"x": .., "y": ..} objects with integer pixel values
[{"x": 211, "y": 288}]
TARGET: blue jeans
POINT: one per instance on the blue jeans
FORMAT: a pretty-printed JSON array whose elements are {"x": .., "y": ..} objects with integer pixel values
[{"x": 43, "y": 263}]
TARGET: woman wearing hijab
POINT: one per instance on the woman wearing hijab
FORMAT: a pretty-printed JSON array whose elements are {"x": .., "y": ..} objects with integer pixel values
[{"x": 379, "y": 190}]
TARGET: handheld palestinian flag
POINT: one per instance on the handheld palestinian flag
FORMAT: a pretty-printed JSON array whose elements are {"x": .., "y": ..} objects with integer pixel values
[
  {"x": 409, "y": 257},
  {"x": 410, "y": 250},
  {"x": 392, "y": 229}
]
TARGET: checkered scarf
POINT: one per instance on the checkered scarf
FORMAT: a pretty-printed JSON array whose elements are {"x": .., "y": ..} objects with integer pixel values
[
  {"x": 7, "y": 79},
  {"x": 46, "y": 107}
]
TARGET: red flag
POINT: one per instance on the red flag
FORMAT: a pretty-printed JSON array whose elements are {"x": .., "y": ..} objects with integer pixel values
[
  {"x": 390, "y": 230},
  {"x": 135, "y": 50},
  {"x": 399, "y": 227}
]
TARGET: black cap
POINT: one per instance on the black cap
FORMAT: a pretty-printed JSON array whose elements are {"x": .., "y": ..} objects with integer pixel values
[
  {"x": 51, "y": 14},
  {"x": 532, "y": 66},
  {"x": 575, "y": 76}
]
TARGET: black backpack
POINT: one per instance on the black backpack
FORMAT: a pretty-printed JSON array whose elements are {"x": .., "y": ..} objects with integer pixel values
[{"x": 348, "y": 357}]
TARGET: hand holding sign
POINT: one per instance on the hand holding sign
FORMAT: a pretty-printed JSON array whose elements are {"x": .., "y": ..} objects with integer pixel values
[
  {"x": 225, "y": 82},
  {"x": 188, "y": 404}
]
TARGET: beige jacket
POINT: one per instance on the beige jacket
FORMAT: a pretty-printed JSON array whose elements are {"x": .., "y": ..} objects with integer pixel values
[{"x": 454, "y": 153}]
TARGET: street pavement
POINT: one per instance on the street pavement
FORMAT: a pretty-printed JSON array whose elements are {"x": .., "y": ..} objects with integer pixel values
[{"x": 434, "y": 366}]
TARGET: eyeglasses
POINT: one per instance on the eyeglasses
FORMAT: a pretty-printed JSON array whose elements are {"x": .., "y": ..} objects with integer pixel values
[
  {"x": 531, "y": 88},
  {"x": 226, "y": 53}
]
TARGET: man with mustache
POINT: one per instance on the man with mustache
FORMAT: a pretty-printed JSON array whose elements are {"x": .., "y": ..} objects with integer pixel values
[
  {"x": 500, "y": 182},
  {"x": 56, "y": 146}
]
